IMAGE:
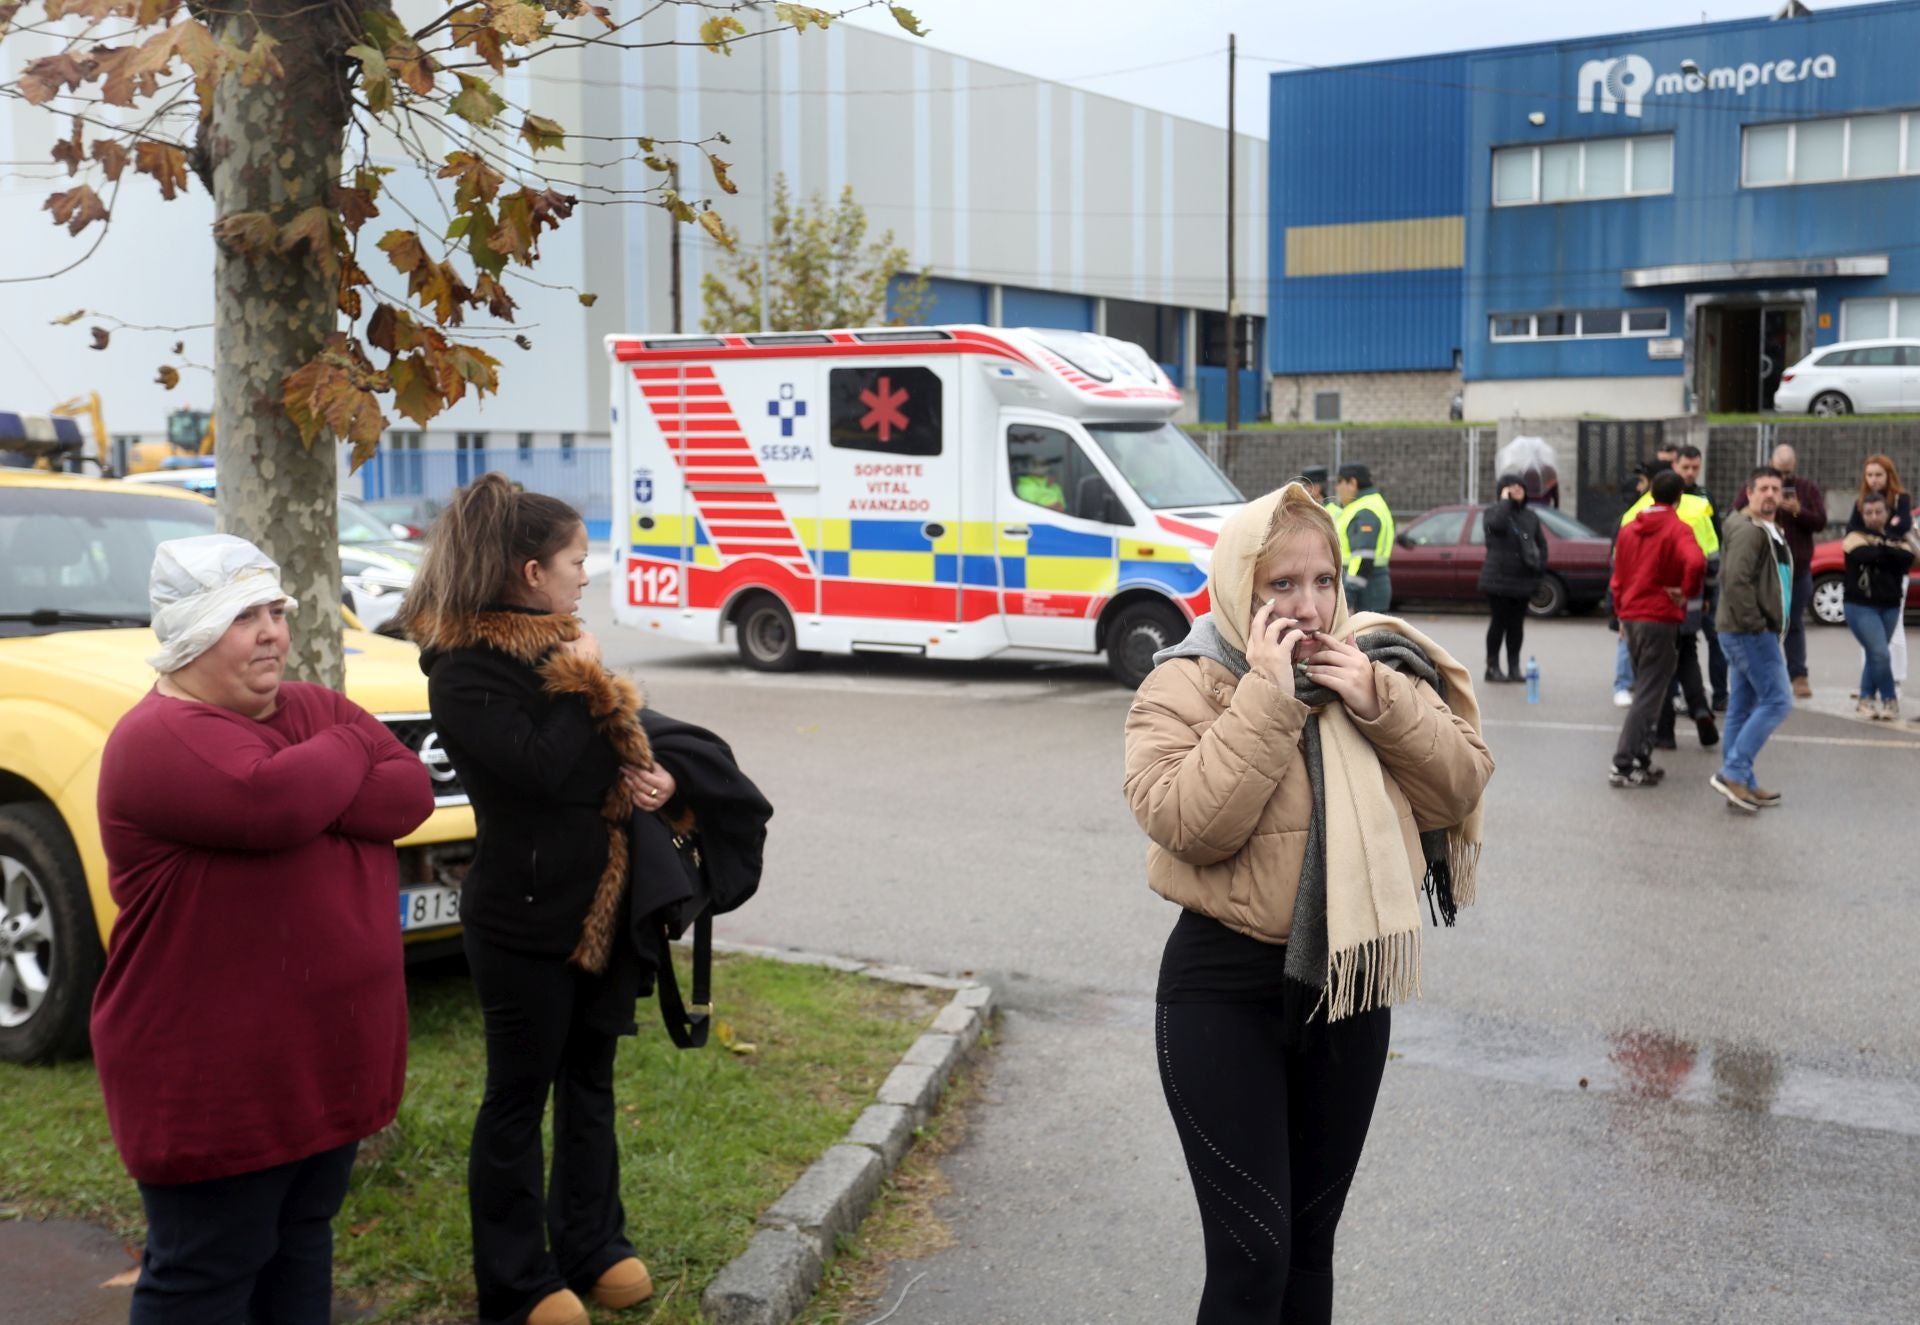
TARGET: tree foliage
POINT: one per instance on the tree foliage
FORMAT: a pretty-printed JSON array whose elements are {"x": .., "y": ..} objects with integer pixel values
[
  {"x": 134, "y": 83},
  {"x": 822, "y": 271}
]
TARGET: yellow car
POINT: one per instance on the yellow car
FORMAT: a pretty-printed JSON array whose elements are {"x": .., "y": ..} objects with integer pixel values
[{"x": 74, "y": 559}]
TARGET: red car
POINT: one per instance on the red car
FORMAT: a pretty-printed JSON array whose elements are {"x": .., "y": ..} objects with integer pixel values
[
  {"x": 1438, "y": 555},
  {"x": 1829, "y": 592}
]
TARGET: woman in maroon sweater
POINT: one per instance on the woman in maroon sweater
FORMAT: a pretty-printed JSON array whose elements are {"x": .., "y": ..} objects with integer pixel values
[{"x": 251, "y": 1024}]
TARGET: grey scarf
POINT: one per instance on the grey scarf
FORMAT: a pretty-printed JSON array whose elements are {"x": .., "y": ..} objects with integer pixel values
[{"x": 1307, "y": 943}]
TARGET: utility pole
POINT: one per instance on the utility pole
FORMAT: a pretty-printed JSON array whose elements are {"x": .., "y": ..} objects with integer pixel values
[
  {"x": 673, "y": 249},
  {"x": 1233, "y": 328}
]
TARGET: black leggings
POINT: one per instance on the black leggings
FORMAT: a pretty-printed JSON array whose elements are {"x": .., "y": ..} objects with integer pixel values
[
  {"x": 1272, "y": 1137},
  {"x": 1509, "y": 624}
]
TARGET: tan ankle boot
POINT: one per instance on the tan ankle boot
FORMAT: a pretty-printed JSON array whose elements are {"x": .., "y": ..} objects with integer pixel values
[
  {"x": 625, "y": 1283},
  {"x": 561, "y": 1308}
]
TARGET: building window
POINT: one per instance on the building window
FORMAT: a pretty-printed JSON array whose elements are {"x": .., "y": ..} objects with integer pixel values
[
  {"x": 1876, "y": 319},
  {"x": 1827, "y": 151},
  {"x": 470, "y": 441},
  {"x": 1326, "y": 407},
  {"x": 1583, "y": 171},
  {"x": 526, "y": 447},
  {"x": 1578, "y": 324},
  {"x": 566, "y": 448}
]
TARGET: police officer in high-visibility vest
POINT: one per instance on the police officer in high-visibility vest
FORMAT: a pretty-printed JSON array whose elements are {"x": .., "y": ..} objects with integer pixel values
[
  {"x": 1696, "y": 511},
  {"x": 1315, "y": 477},
  {"x": 1366, "y": 539}
]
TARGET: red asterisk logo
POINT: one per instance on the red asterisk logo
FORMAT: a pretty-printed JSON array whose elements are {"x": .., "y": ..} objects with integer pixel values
[{"x": 883, "y": 409}]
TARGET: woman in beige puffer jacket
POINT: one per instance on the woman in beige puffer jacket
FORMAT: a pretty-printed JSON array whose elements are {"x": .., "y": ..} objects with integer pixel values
[{"x": 1271, "y": 1051}]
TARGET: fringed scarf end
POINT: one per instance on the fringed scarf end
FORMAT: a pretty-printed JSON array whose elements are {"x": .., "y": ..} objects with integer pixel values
[{"x": 1376, "y": 974}]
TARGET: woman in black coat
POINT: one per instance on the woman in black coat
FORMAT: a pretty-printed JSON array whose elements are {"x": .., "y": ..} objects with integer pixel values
[
  {"x": 549, "y": 748},
  {"x": 1516, "y": 561}
]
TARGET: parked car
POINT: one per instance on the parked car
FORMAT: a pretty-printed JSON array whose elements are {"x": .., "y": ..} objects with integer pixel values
[
  {"x": 1830, "y": 591},
  {"x": 408, "y": 517},
  {"x": 1439, "y": 554},
  {"x": 75, "y": 554},
  {"x": 376, "y": 564},
  {"x": 1853, "y": 377}
]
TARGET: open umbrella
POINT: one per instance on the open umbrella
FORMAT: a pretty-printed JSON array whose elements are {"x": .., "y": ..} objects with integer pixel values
[{"x": 1537, "y": 464}]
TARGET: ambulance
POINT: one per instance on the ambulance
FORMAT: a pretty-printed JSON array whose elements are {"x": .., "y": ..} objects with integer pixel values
[{"x": 948, "y": 492}]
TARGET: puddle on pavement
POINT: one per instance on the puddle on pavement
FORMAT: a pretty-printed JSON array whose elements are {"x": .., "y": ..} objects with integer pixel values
[{"x": 1656, "y": 1066}]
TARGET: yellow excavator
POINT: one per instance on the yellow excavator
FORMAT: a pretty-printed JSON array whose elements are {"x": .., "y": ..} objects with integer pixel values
[{"x": 52, "y": 442}]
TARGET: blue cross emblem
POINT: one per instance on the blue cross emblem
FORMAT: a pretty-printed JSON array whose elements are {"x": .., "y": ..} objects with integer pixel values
[{"x": 786, "y": 409}]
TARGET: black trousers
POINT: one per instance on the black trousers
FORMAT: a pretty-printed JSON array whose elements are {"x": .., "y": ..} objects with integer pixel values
[
  {"x": 1509, "y": 626},
  {"x": 1716, "y": 660},
  {"x": 1693, "y": 688},
  {"x": 541, "y": 1038},
  {"x": 253, "y": 1249},
  {"x": 1272, "y": 1137},
  {"x": 1654, "y": 648}
]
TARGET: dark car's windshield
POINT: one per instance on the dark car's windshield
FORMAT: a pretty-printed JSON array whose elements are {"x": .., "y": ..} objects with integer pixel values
[
  {"x": 84, "y": 552},
  {"x": 1164, "y": 466}
]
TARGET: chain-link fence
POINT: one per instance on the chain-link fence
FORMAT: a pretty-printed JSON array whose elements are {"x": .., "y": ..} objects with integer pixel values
[
  {"x": 1831, "y": 454},
  {"x": 1414, "y": 468}
]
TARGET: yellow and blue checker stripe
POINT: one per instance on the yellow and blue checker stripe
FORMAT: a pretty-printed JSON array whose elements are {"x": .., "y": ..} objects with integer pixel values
[
  {"x": 976, "y": 553},
  {"x": 667, "y": 540}
]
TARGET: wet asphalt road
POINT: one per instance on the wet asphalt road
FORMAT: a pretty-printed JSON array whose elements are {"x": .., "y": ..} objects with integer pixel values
[{"x": 1737, "y": 993}]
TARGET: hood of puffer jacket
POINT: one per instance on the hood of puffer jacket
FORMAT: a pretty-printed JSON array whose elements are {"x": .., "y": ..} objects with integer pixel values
[{"x": 1236, "y": 560}]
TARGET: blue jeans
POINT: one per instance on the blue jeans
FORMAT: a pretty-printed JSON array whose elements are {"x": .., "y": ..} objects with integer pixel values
[
  {"x": 1874, "y": 627},
  {"x": 1760, "y": 699},
  {"x": 1622, "y": 665}
]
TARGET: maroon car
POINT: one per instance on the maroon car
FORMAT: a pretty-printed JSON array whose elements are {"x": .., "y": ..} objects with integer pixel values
[{"x": 1439, "y": 554}]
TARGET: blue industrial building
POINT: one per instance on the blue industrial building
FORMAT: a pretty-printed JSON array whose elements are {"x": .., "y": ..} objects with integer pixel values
[{"x": 1642, "y": 225}]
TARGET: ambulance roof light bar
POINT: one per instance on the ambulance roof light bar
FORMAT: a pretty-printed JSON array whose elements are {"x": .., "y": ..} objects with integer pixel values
[{"x": 901, "y": 335}]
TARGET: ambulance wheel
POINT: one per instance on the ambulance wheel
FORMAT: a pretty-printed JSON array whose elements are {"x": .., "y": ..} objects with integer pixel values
[
  {"x": 1136, "y": 635},
  {"x": 764, "y": 630}
]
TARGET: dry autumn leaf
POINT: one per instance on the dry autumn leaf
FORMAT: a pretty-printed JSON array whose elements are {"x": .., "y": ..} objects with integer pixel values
[
  {"x": 100, "y": 338},
  {"x": 76, "y": 208},
  {"x": 168, "y": 376},
  {"x": 166, "y": 163}
]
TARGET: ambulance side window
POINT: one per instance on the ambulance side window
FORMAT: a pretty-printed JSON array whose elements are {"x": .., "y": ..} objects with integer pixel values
[{"x": 1048, "y": 469}]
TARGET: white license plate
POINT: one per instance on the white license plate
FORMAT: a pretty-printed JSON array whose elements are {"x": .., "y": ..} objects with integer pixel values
[{"x": 429, "y": 907}]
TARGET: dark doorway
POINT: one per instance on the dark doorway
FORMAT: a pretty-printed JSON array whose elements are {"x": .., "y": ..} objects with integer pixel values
[
  {"x": 1740, "y": 353},
  {"x": 1779, "y": 349}
]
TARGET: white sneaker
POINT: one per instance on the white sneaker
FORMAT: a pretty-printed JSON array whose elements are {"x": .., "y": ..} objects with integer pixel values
[{"x": 1623, "y": 699}]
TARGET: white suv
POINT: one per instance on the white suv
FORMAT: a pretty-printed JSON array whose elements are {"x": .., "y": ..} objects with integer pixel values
[{"x": 1854, "y": 377}]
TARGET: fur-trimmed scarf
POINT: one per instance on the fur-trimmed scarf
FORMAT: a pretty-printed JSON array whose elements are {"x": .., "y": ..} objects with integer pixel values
[{"x": 615, "y": 704}]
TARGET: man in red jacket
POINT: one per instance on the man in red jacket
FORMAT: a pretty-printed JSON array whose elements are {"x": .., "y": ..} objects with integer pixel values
[{"x": 1657, "y": 567}]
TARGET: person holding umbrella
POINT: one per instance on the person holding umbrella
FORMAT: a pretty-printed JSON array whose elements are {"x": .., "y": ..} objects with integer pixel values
[{"x": 1516, "y": 560}]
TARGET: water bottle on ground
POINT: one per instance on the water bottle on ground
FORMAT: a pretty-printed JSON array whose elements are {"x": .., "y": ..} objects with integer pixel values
[{"x": 1533, "y": 679}]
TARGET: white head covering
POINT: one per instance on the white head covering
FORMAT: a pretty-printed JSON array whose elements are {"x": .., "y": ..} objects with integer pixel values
[{"x": 199, "y": 585}]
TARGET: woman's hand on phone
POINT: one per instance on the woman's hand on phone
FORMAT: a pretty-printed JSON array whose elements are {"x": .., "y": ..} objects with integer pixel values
[
  {"x": 1342, "y": 668},
  {"x": 1271, "y": 643}
]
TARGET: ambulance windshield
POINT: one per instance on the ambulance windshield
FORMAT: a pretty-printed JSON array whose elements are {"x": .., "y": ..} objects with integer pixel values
[{"x": 1164, "y": 466}]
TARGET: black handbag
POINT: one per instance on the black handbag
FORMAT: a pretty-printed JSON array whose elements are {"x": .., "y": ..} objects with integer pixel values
[{"x": 688, "y": 1026}]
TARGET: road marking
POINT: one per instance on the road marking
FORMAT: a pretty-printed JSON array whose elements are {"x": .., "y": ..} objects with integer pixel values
[{"x": 1853, "y": 742}]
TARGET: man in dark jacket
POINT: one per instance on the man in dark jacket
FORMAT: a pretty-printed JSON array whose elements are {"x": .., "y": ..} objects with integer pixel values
[
  {"x": 1756, "y": 569},
  {"x": 1657, "y": 567},
  {"x": 1802, "y": 515},
  {"x": 1516, "y": 559}
]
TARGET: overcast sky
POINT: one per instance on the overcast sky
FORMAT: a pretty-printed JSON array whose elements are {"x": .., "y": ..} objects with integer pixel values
[{"x": 1068, "y": 40}]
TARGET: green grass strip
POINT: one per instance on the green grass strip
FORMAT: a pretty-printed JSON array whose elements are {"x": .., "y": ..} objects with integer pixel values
[{"x": 708, "y": 1138}]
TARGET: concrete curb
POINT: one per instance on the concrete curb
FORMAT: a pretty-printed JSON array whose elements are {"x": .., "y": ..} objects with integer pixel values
[{"x": 772, "y": 1281}]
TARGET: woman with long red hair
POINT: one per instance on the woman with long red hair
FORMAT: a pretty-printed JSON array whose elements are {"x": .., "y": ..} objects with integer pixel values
[{"x": 1877, "y": 475}]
